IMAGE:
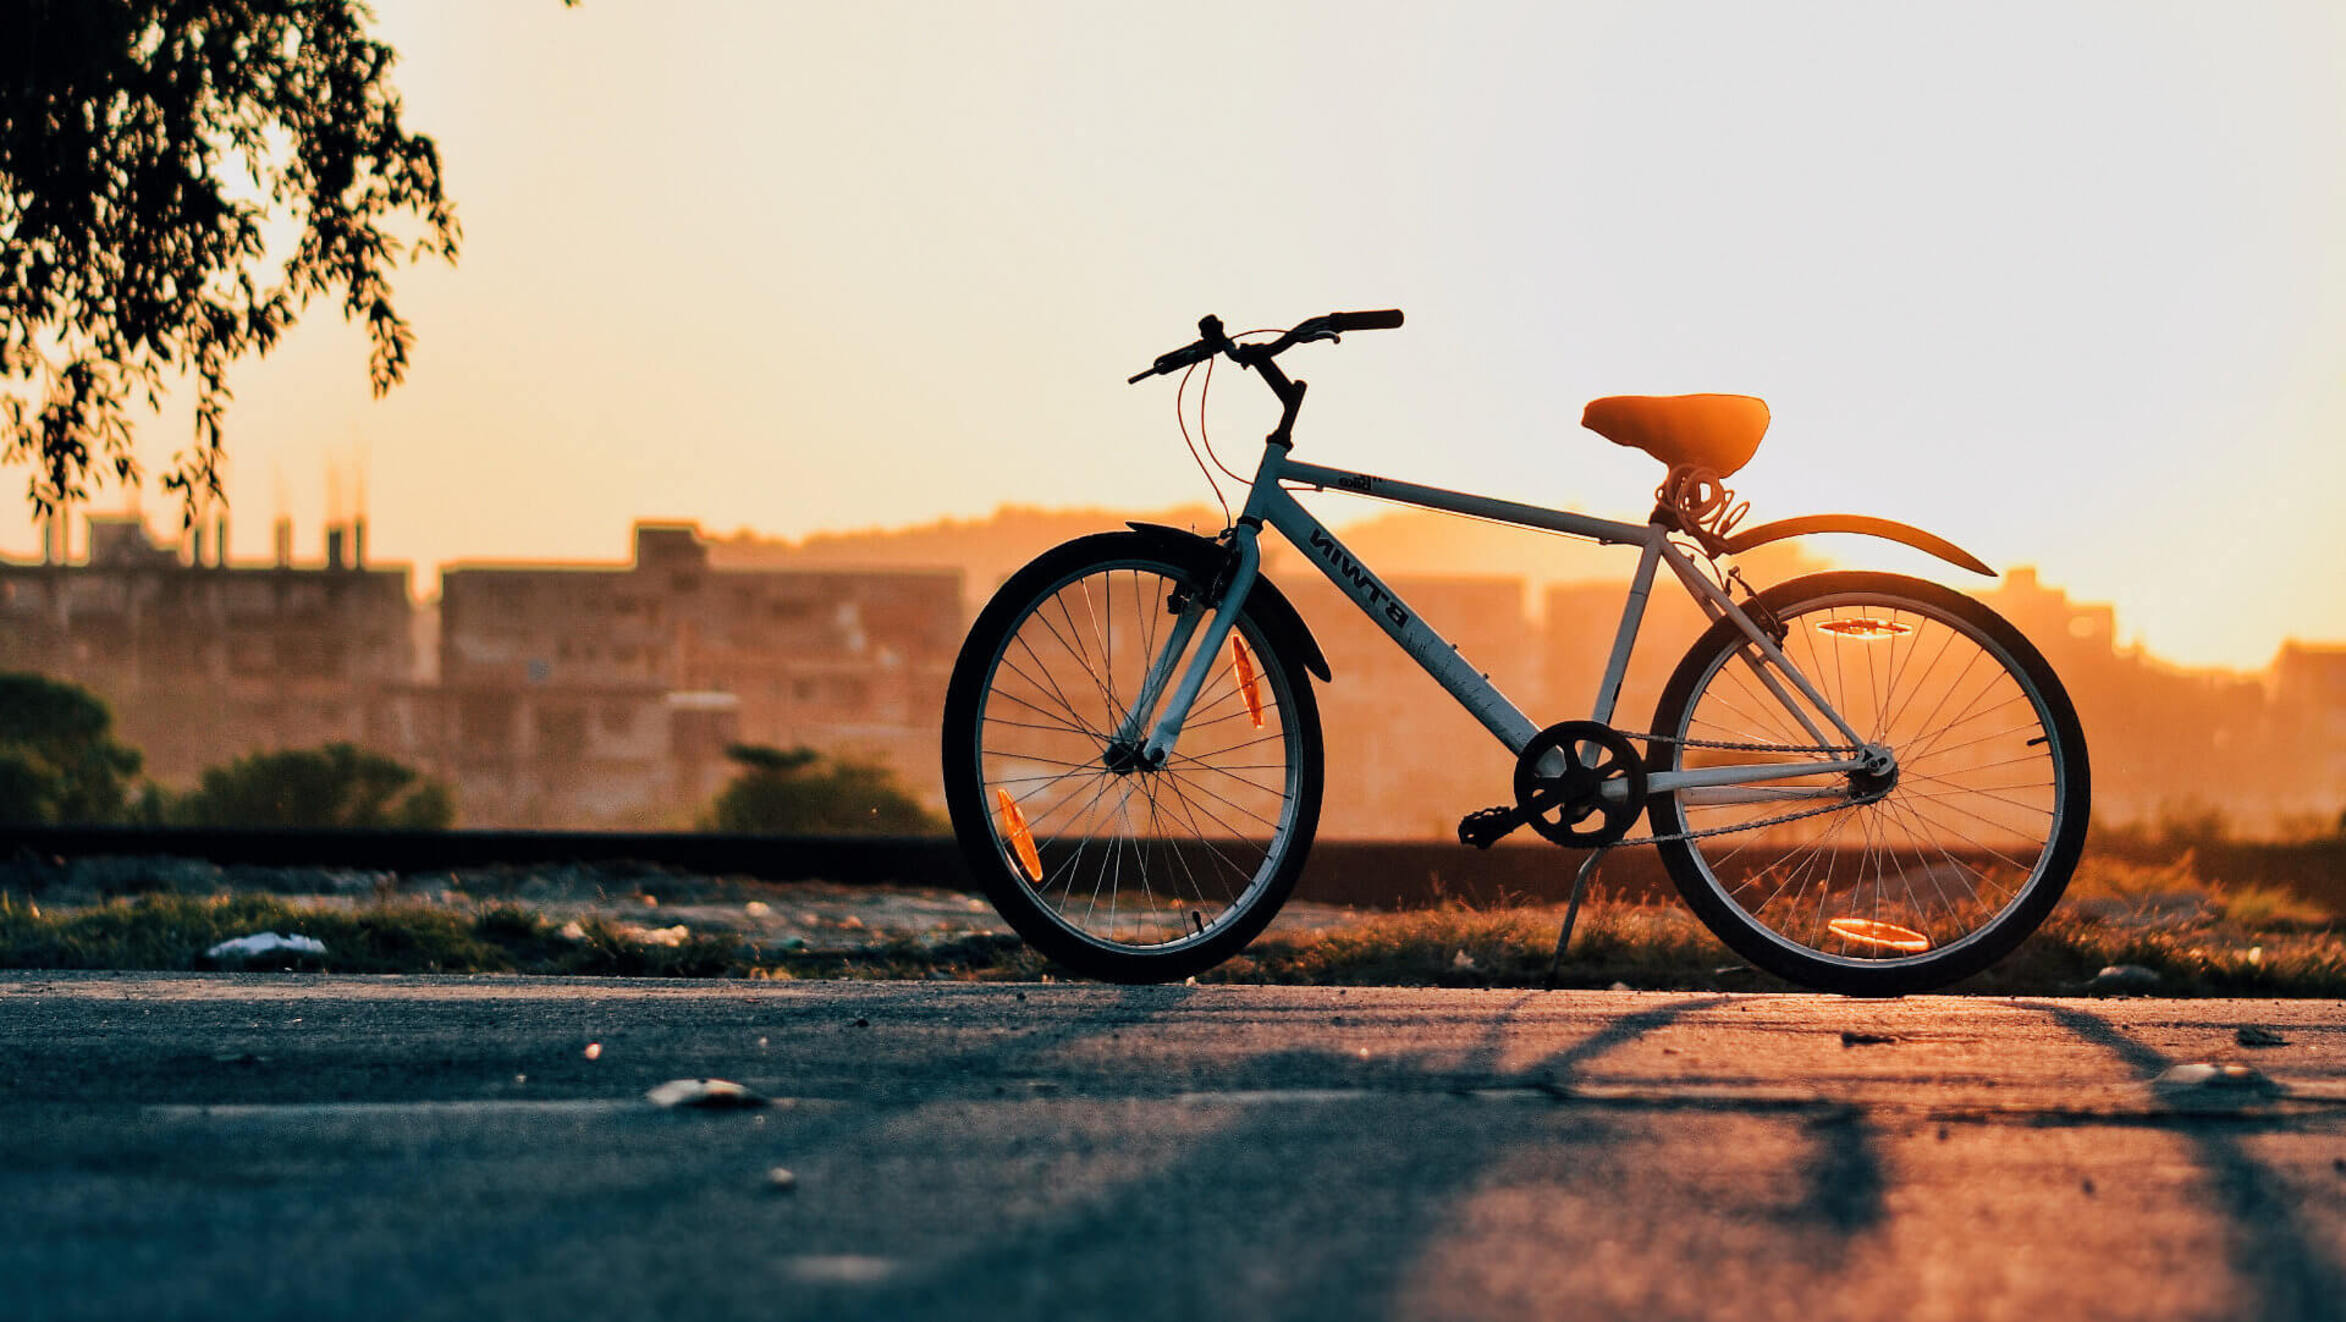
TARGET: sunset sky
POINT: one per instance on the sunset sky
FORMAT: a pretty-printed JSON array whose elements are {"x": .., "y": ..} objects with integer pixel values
[{"x": 2063, "y": 282}]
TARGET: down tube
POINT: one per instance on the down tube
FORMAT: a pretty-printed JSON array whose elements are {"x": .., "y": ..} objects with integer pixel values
[{"x": 1430, "y": 650}]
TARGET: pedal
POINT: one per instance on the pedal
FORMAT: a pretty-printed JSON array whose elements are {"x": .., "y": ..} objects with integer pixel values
[{"x": 1489, "y": 826}]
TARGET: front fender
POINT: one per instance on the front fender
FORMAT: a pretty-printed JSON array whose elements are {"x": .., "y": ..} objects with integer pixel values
[
  {"x": 1857, "y": 523},
  {"x": 1278, "y": 614}
]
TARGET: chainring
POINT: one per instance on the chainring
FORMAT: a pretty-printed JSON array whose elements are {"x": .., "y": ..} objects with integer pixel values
[{"x": 1561, "y": 806}]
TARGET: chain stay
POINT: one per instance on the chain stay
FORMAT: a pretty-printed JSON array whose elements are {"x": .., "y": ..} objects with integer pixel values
[{"x": 1740, "y": 826}]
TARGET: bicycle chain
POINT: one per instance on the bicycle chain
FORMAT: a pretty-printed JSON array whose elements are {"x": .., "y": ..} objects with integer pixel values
[{"x": 1845, "y": 750}]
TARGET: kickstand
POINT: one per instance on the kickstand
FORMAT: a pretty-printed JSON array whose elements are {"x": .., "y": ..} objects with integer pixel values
[{"x": 1572, "y": 911}]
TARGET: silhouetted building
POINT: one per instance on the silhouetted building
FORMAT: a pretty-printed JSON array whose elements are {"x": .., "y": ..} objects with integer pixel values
[
  {"x": 606, "y": 694},
  {"x": 1403, "y": 760},
  {"x": 202, "y": 661},
  {"x": 2162, "y": 739},
  {"x": 2309, "y": 731},
  {"x": 1580, "y": 621}
]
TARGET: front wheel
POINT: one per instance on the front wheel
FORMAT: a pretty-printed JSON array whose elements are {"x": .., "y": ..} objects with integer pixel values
[
  {"x": 1113, "y": 868},
  {"x": 1923, "y": 869}
]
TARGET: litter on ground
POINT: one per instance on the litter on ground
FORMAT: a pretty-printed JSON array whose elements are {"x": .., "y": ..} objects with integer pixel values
[
  {"x": 266, "y": 943},
  {"x": 704, "y": 1094}
]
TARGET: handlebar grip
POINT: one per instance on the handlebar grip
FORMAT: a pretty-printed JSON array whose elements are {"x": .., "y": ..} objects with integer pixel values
[
  {"x": 1172, "y": 362},
  {"x": 1360, "y": 321}
]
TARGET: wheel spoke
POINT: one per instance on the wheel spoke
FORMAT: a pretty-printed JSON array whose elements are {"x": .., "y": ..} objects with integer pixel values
[
  {"x": 1138, "y": 864},
  {"x": 1949, "y": 849}
]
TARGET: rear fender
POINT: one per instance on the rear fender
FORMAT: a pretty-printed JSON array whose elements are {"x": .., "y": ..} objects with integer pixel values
[
  {"x": 1278, "y": 614},
  {"x": 1863, "y": 524}
]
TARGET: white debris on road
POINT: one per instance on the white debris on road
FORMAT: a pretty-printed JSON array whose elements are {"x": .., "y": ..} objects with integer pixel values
[
  {"x": 266, "y": 943},
  {"x": 2201, "y": 1074},
  {"x": 2123, "y": 978},
  {"x": 704, "y": 1094}
]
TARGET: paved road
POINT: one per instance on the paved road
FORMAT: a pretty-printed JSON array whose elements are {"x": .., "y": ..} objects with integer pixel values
[{"x": 288, "y": 1146}]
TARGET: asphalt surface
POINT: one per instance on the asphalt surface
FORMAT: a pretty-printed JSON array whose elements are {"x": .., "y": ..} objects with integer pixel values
[{"x": 268, "y": 1146}]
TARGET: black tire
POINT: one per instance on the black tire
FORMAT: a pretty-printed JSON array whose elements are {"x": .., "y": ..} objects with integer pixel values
[
  {"x": 1967, "y": 854},
  {"x": 1193, "y": 859}
]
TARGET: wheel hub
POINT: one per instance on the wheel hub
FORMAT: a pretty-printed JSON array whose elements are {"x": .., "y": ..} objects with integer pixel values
[
  {"x": 1122, "y": 757},
  {"x": 1877, "y": 777}
]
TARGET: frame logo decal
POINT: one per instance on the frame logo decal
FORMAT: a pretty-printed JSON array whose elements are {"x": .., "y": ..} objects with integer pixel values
[{"x": 1361, "y": 579}]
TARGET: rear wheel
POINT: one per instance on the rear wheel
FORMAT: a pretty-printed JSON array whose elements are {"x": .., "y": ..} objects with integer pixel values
[
  {"x": 1115, "y": 869},
  {"x": 1897, "y": 879}
]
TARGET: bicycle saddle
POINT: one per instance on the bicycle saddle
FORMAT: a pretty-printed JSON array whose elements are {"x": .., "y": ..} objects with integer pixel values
[{"x": 1717, "y": 432}]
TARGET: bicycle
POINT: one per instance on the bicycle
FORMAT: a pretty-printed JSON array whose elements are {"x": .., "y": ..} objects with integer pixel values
[{"x": 1862, "y": 782}]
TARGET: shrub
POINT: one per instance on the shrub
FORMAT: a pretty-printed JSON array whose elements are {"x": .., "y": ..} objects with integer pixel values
[
  {"x": 58, "y": 758},
  {"x": 339, "y": 785},
  {"x": 801, "y": 792}
]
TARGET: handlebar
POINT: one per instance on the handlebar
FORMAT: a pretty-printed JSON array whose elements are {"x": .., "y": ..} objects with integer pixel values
[{"x": 1212, "y": 340}]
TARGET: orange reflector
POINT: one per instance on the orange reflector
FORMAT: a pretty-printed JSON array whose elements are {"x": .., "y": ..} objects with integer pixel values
[
  {"x": 1242, "y": 665},
  {"x": 1022, "y": 840},
  {"x": 1864, "y": 630},
  {"x": 1889, "y": 936}
]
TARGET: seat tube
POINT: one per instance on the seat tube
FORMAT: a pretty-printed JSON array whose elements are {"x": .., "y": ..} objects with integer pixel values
[
  {"x": 1625, "y": 638},
  {"x": 1209, "y": 646}
]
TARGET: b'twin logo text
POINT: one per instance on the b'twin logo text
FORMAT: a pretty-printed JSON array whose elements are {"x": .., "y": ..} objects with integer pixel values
[{"x": 1361, "y": 579}]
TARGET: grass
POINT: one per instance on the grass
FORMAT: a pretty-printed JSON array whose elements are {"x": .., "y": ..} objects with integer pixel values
[
  {"x": 2104, "y": 882},
  {"x": 175, "y": 931},
  {"x": 2200, "y": 938},
  {"x": 1664, "y": 948},
  {"x": 1455, "y": 945}
]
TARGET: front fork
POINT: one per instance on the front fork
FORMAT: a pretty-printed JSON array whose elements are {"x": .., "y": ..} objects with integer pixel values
[{"x": 1238, "y": 579}]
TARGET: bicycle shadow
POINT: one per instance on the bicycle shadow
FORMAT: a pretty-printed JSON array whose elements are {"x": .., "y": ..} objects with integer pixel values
[
  {"x": 1299, "y": 1200},
  {"x": 1395, "y": 1188},
  {"x": 1844, "y": 1187},
  {"x": 2273, "y": 1251},
  {"x": 631, "y": 1198},
  {"x": 1300, "y": 1182}
]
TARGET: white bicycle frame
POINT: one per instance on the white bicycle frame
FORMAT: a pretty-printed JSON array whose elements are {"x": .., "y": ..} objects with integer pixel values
[{"x": 1271, "y": 502}]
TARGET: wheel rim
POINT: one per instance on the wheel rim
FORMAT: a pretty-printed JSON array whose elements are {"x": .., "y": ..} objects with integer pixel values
[
  {"x": 1931, "y": 864},
  {"x": 1129, "y": 858}
]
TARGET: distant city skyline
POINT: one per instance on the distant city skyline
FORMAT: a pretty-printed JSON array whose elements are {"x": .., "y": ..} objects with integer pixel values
[
  {"x": 987, "y": 547},
  {"x": 604, "y": 693},
  {"x": 2061, "y": 281}
]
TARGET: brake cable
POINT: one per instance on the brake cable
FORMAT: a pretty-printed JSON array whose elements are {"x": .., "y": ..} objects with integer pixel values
[{"x": 1181, "y": 419}]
